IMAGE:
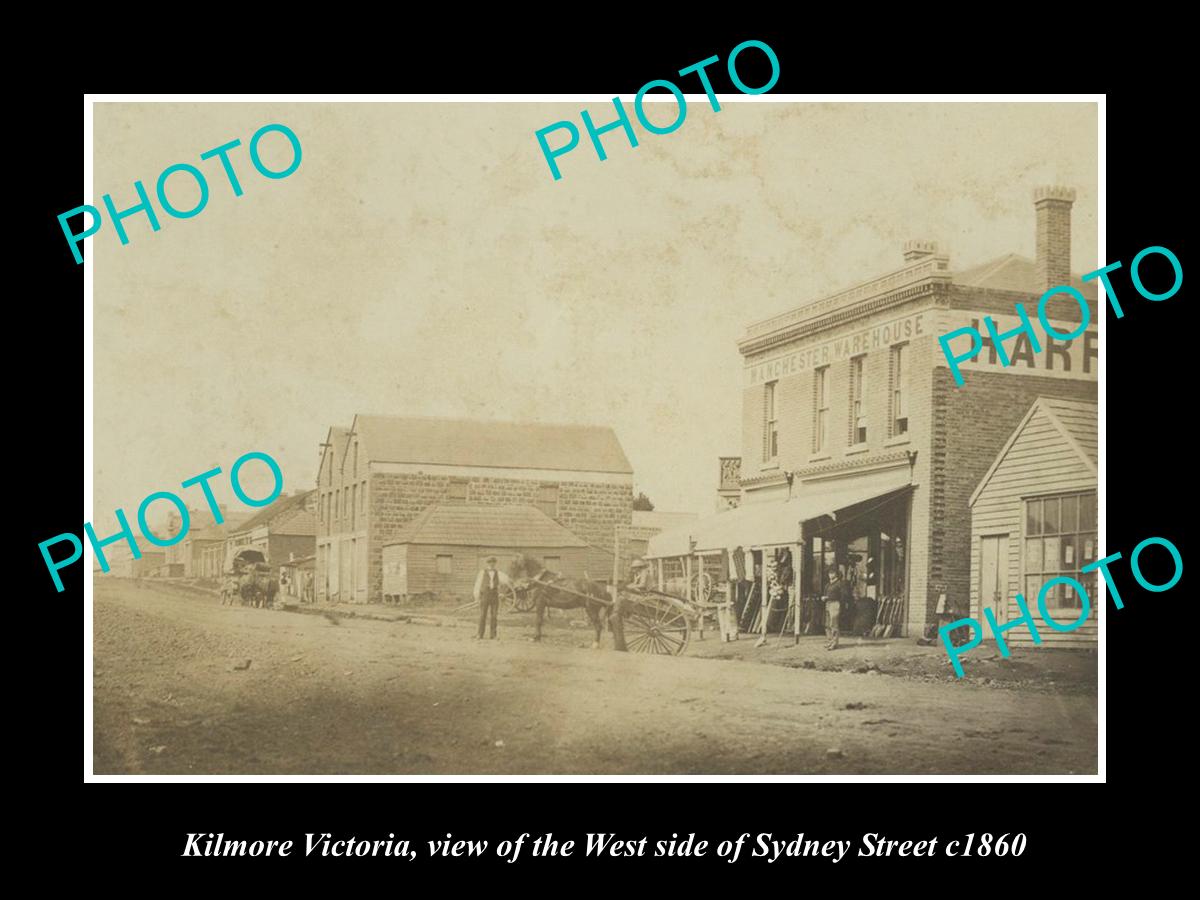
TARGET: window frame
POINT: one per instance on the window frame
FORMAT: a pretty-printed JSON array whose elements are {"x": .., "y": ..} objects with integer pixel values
[
  {"x": 901, "y": 363},
  {"x": 771, "y": 421},
  {"x": 540, "y": 503},
  {"x": 1078, "y": 536},
  {"x": 821, "y": 409},
  {"x": 858, "y": 401}
]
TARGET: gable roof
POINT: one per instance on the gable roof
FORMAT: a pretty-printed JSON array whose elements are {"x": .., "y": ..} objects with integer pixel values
[
  {"x": 1013, "y": 272},
  {"x": 302, "y": 521},
  {"x": 486, "y": 526},
  {"x": 509, "y": 445},
  {"x": 1076, "y": 420}
]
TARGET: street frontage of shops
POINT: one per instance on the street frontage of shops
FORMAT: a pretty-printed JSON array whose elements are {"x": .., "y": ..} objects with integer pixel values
[{"x": 862, "y": 456}]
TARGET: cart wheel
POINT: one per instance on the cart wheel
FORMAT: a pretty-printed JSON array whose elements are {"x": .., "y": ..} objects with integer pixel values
[
  {"x": 655, "y": 628},
  {"x": 516, "y": 601},
  {"x": 702, "y": 587}
]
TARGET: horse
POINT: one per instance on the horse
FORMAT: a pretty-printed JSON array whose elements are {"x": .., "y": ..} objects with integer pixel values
[
  {"x": 229, "y": 590},
  {"x": 248, "y": 588},
  {"x": 526, "y": 572}
]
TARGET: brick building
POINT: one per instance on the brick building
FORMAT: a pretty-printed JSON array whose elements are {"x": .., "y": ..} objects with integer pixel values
[
  {"x": 858, "y": 448},
  {"x": 283, "y": 531},
  {"x": 381, "y": 473}
]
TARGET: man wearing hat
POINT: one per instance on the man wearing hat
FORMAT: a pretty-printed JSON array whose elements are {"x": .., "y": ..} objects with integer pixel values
[
  {"x": 487, "y": 595},
  {"x": 641, "y": 576}
]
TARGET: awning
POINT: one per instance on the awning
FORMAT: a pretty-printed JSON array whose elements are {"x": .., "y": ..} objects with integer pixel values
[{"x": 767, "y": 524}]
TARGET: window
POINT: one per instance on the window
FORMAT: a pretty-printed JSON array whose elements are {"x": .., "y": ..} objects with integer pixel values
[
  {"x": 820, "y": 408},
  {"x": 354, "y": 506},
  {"x": 858, "y": 402},
  {"x": 900, "y": 389},
  {"x": 1060, "y": 539},
  {"x": 445, "y": 564},
  {"x": 553, "y": 563},
  {"x": 458, "y": 490},
  {"x": 354, "y": 473},
  {"x": 770, "y": 422},
  {"x": 547, "y": 500}
]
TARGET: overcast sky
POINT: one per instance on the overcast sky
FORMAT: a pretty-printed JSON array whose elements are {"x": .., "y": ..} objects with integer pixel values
[{"x": 422, "y": 261}]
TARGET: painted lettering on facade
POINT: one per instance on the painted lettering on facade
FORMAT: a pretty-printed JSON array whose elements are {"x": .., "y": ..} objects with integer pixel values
[
  {"x": 838, "y": 349},
  {"x": 1074, "y": 359}
]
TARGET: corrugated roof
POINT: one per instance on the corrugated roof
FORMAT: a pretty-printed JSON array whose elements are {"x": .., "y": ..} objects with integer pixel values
[
  {"x": 487, "y": 526},
  {"x": 1013, "y": 272},
  {"x": 279, "y": 507},
  {"x": 512, "y": 445}
]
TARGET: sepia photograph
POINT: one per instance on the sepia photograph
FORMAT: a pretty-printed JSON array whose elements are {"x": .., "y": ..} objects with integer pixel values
[{"x": 755, "y": 448}]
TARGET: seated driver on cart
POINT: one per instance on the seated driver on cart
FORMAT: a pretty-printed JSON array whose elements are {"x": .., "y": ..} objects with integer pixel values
[{"x": 641, "y": 576}]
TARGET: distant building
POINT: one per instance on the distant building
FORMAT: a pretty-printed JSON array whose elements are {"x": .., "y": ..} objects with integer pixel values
[
  {"x": 381, "y": 473},
  {"x": 280, "y": 532},
  {"x": 1033, "y": 518},
  {"x": 296, "y": 579},
  {"x": 442, "y": 549}
]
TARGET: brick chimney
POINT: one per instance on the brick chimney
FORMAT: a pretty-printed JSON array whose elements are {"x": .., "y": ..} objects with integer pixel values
[
  {"x": 914, "y": 250},
  {"x": 1053, "y": 261}
]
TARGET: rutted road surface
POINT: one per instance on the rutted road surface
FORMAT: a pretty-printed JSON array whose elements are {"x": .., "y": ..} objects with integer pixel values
[{"x": 173, "y": 695}]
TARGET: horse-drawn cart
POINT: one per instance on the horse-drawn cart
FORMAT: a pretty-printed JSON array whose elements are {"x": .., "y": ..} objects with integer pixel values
[{"x": 641, "y": 621}]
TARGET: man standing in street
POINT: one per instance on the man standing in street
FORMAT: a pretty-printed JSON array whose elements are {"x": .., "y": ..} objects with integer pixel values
[
  {"x": 838, "y": 593},
  {"x": 487, "y": 595}
]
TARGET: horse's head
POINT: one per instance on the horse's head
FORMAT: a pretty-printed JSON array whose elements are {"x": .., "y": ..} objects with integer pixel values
[{"x": 524, "y": 567}]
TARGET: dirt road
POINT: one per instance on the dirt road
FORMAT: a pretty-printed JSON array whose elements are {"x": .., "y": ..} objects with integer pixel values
[{"x": 186, "y": 686}]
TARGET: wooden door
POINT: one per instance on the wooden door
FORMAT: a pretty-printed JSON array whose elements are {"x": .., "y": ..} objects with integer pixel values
[{"x": 993, "y": 575}]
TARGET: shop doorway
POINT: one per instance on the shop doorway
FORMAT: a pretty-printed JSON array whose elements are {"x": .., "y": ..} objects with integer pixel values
[{"x": 993, "y": 558}]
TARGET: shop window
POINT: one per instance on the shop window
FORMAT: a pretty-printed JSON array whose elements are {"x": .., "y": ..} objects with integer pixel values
[
  {"x": 899, "y": 402},
  {"x": 458, "y": 489},
  {"x": 858, "y": 400},
  {"x": 547, "y": 500},
  {"x": 770, "y": 422},
  {"x": 820, "y": 408},
  {"x": 1060, "y": 539},
  {"x": 445, "y": 564}
]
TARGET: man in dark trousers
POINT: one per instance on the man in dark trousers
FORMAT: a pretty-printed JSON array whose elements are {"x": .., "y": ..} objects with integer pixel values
[
  {"x": 487, "y": 594},
  {"x": 838, "y": 593}
]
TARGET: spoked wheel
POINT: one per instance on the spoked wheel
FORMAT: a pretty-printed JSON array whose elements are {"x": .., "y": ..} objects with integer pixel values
[
  {"x": 655, "y": 627},
  {"x": 702, "y": 587},
  {"x": 515, "y": 600}
]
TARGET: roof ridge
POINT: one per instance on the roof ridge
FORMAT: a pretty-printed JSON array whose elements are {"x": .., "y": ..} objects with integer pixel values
[{"x": 463, "y": 420}]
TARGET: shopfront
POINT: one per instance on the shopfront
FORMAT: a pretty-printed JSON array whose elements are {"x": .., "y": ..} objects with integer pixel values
[{"x": 774, "y": 558}]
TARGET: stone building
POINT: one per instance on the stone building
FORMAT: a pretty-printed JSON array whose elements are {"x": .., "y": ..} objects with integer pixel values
[
  {"x": 383, "y": 471},
  {"x": 859, "y": 450}
]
